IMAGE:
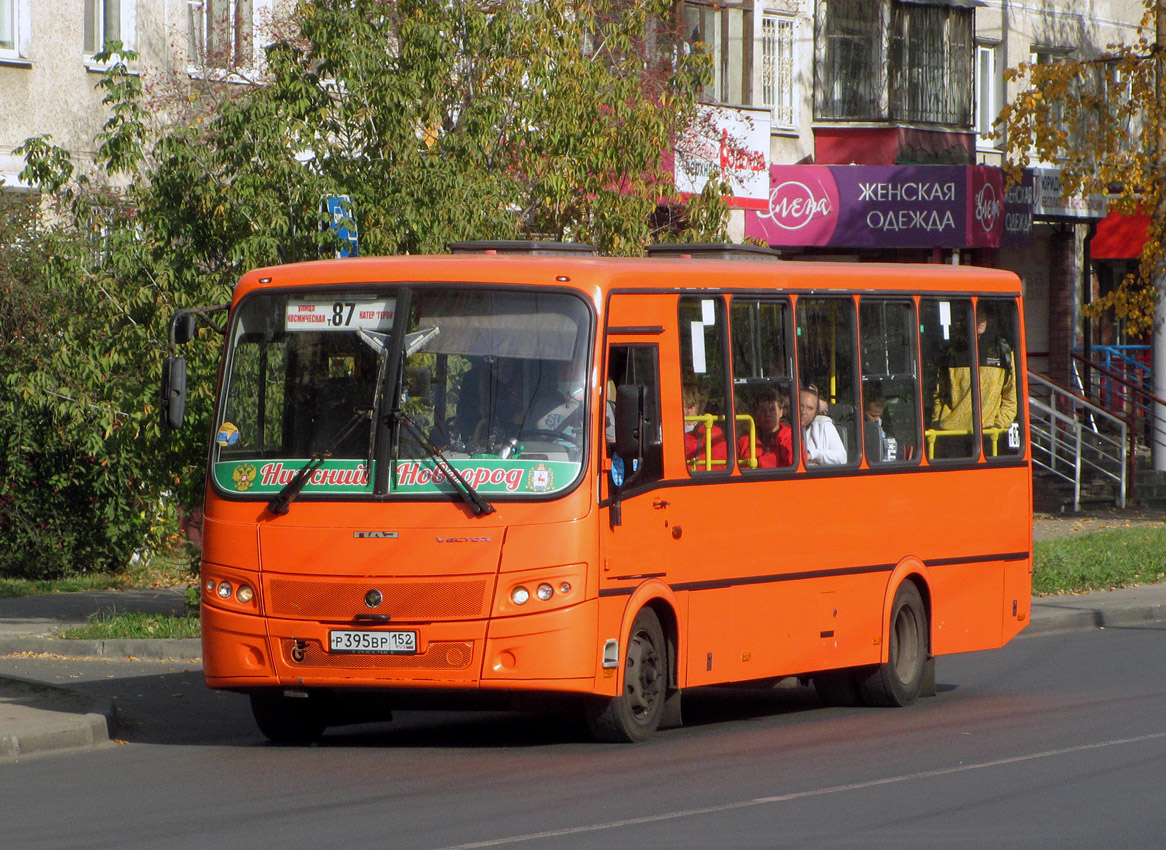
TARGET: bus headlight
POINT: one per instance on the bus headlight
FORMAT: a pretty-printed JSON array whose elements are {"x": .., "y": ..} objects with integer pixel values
[
  {"x": 541, "y": 589},
  {"x": 238, "y": 592}
]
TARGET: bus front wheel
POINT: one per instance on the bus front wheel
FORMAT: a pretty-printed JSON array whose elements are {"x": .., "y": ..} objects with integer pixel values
[
  {"x": 634, "y": 715},
  {"x": 288, "y": 720},
  {"x": 899, "y": 680}
]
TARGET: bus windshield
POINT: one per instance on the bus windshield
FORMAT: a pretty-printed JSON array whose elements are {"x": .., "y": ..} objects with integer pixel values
[{"x": 494, "y": 381}]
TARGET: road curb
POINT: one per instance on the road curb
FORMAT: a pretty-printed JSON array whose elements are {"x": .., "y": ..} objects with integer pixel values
[
  {"x": 1058, "y": 613},
  {"x": 46, "y": 718},
  {"x": 153, "y": 649}
]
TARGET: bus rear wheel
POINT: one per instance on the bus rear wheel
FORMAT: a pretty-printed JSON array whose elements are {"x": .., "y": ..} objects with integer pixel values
[
  {"x": 899, "y": 680},
  {"x": 288, "y": 720},
  {"x": 634, "y": 715}
]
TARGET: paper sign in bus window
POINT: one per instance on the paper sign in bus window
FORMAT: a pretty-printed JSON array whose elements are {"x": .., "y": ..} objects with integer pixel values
[{"x": 699, "y": 366}]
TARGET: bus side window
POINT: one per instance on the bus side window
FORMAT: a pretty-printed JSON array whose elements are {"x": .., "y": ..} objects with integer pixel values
[
  {"x": 997, "y": 338},
  {"x": 890, "y": 383},
  {"x": 948, "y": 348},
  {"x": 828, "y": 386},
  {"x": 762, "y": 380},
  {"x": 637, "y": 365},
  {"x": 708, "y": 425}
]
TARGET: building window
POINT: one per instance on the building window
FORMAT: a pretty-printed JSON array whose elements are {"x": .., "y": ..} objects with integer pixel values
[
  {"x": 989, "y": 94},
  {"x": 7, "y": 25},
  {"x": 102, "y": 24},
  {"x": 1044, "y": 55},
  {"x": 14, "y": 18},
  {"x": 725, "y": 32},
  {"x": 777, "y": 68},
  {"x": 106, "y": 21},
  {"x": 893, "y": 61},
  {"x": 931, "y": 64},
  {"x": 221, "y": 33},
  {"x": 851, "y": 65}
]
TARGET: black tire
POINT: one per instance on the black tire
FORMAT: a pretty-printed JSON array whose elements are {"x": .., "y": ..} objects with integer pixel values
[
  {"x": 289, "y": 720},
  {"x": 634, "y": 715},
  {"x": 899, "y": 681}
]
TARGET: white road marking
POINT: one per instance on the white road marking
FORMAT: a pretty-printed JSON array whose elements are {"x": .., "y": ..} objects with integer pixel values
[{"x": 800, "y": 795}]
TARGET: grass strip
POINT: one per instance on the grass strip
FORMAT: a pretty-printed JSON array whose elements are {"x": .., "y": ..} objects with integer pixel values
[
  {"x": 167, "y": 569},
  {"x": 1099, "y": 561},
  {"x": 13, "y": 587},
  {"x": 114, "y": 626}
]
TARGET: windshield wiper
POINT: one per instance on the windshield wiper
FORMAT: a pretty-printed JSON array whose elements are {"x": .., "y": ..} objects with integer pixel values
[
  {"x": 465, "y": 489},
  {"x": 279, "y": 504}
]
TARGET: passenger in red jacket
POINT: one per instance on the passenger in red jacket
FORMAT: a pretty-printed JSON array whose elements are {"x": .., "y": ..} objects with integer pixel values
[{"x": 774, "y": 435}]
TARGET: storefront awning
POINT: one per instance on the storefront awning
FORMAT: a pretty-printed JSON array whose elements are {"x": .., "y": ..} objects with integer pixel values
[{"x": 1119, "y": 237}]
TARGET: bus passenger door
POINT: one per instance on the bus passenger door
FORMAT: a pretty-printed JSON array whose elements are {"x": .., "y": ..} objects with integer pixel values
[{"x": 636, "y": 531}]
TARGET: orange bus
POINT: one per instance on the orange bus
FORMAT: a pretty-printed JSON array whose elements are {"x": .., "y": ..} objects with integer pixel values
[{"x": 522, "y": 470}]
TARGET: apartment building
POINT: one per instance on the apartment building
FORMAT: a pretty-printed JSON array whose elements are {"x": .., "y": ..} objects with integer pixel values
[
  {"x": 48, "y": 71},
  {"x": 863, "y": 128},
  {"x": 879, "y": 118}
]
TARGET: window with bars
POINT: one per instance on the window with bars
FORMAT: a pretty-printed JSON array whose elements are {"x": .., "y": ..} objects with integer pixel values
[
  {"x": 850, "y": 67},
  {"x": 931, "y": 64},
  {"x": 896, "y": 61},
  {"x": 777, "y": 68}
]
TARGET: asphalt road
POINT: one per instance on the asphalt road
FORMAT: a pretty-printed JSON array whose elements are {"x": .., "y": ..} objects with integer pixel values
[{"x": 1056, "y": 741}]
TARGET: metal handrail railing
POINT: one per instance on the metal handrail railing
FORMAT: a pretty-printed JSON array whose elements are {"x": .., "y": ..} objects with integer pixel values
[
  {"x": 1071, "y": 435},
  {"x": 1137, "y": 403}
]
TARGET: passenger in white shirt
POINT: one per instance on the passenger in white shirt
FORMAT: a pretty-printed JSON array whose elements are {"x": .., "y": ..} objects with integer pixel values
[{"x": 821, "y": 445}]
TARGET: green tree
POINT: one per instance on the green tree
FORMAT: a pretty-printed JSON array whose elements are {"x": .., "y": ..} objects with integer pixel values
[
  {"x": 441, "y": 121},
  {"x": 1102, "y": 121}
]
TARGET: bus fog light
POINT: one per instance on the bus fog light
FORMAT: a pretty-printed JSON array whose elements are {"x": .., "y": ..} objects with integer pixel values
[
  {"x": 565, "y": 588},
  {"x": 520, "y": 595},
  {"x": 244, "y": 594},
  {"x": 225, "y": 590},
  {"x": 545, "y": 591}
]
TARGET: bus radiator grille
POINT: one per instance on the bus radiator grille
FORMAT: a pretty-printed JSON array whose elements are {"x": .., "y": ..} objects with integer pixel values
[
  {"x": 447, "y": 655},
  {"x": 427, "y": 600}
]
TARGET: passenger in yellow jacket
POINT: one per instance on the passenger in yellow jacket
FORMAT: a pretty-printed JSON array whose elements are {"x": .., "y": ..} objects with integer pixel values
[{"x": 953, "y": 398}]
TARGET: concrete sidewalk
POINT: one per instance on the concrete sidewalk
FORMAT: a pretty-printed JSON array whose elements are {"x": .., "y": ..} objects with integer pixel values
[{"x": 37, "y": 717}]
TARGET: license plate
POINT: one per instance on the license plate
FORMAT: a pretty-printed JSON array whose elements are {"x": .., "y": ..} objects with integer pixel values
[{"x": 372, "y": 643}]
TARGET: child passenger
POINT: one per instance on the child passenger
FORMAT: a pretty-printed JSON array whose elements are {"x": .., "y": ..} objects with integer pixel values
[
  {"x": 696, "y": 437},
  {"x": 774, "y": 435}
]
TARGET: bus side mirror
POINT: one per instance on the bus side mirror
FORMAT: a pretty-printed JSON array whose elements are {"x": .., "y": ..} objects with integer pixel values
[
  {"x": 629, "y": 422},
  {"x": 183, "y": 330},
  {"x": 173, "y": 401}
]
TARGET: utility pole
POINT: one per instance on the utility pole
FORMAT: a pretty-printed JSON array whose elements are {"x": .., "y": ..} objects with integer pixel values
[{"x": 1157, "y": 223}]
